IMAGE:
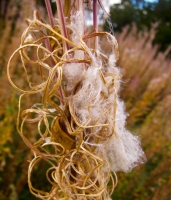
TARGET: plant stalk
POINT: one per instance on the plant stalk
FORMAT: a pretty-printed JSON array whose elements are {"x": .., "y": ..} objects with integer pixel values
[
  {"x": 50, "y": 14},
  {"x": 95, "y": 22},
  {"x": 62, "y": 22},
  {"x": 47, "y": 43}
]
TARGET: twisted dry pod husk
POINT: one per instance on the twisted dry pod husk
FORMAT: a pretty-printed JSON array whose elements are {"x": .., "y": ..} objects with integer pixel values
[{"x": 82, "y": 115}]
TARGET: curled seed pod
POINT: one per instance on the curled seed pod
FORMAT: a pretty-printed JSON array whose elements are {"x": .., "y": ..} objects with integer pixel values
[{"x": 80, "y": 119}]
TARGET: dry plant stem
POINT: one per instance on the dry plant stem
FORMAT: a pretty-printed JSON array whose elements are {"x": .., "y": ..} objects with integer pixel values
[
  {"x": 62, "y": 22},
  {"x": 75, "y": 165},
  {"x": 50, "y": 14},
  {"x": 95, "y": 22},
  {"x": 102, "y": 7},
  {"x": 47, "y": 44},
  {"x": 85, "y": 136}
]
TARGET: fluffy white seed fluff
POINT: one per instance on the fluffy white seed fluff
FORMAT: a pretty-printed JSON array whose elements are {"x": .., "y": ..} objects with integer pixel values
[
  {"x": 77, "y": 26},
  {"x": 123, "y": 150},
  {"x": 97, "y": 101},
  {"x": 74, "y": 72}
]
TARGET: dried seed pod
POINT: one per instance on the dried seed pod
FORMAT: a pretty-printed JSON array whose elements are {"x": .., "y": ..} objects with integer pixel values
[{"x": 81, "y": 118}]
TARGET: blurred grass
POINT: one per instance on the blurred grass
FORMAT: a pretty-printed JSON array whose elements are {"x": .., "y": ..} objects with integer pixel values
[{"x": 146, "y": 89}]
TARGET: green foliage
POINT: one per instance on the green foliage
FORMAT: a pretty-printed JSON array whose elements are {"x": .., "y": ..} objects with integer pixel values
[
  {"x": 126, "y": 14},
  {"x": 144, "y": 15},
  {"x": 162, "y": 36}
]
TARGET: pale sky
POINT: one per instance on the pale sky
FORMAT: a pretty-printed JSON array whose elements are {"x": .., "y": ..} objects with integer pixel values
[{"x": 107, "y": 4}]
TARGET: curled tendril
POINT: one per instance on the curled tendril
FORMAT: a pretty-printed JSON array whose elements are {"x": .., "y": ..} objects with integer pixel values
[{"x": 76, "y": 171}]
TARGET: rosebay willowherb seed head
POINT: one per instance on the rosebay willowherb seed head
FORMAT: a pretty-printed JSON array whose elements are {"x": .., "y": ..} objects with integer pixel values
[{"x": 80, "y": 118}]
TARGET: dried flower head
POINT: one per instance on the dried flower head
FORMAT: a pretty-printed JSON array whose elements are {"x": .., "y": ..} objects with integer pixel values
[{"x": 84, "y": 118}]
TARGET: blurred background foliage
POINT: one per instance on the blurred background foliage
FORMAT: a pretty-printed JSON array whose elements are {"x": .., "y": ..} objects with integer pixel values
[
  {"x": 145, "y": 14},
  {"x": 143, "y": 31}
]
